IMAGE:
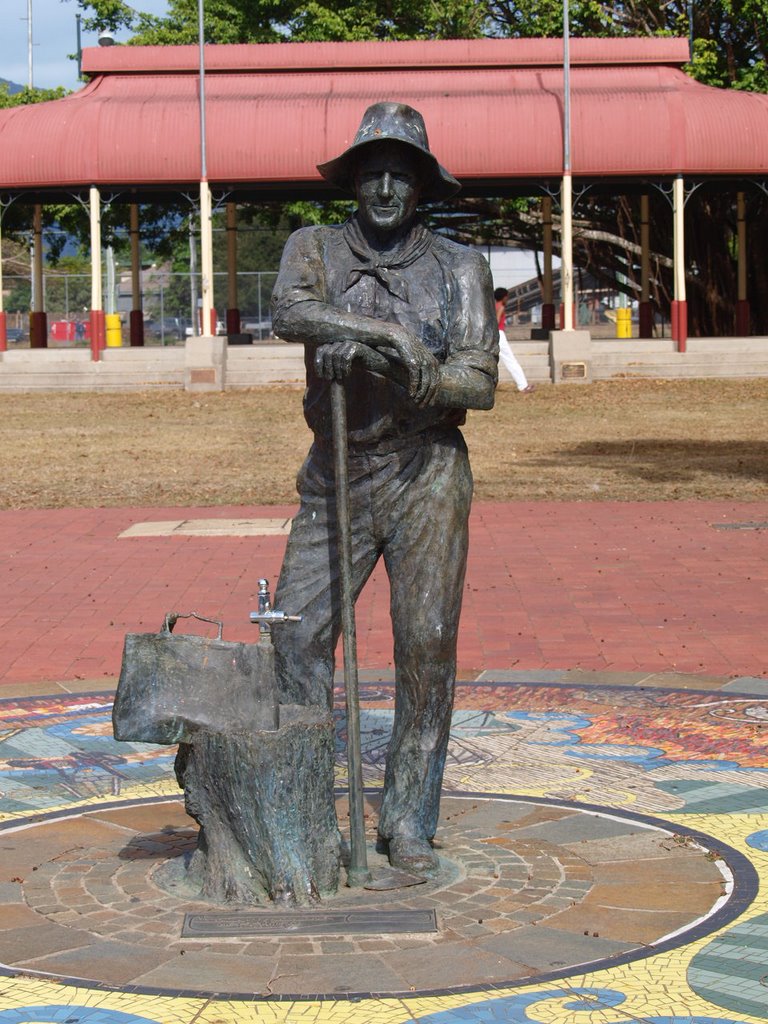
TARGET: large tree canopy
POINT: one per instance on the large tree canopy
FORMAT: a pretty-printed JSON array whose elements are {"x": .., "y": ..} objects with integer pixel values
[{"x": 730, "y": 47}]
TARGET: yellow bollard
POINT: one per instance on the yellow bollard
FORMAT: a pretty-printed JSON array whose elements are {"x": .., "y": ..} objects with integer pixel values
[
  {"x": 114, "y": 330},
  {"x": 623, "y": 323}
]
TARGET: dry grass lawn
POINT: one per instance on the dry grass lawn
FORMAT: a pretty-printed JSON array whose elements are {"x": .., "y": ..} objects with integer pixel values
[{"x": 619, "y": 440}]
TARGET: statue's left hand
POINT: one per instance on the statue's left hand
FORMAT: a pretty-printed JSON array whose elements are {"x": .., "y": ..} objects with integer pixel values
[{"x": 421, "y": 366}]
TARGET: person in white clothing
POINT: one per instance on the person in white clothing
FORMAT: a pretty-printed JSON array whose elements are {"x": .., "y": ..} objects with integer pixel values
[{"x": 507, "y": 357}]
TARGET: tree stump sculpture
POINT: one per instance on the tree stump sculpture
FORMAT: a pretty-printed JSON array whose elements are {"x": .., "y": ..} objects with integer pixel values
[{"x": 257, "y": 776}]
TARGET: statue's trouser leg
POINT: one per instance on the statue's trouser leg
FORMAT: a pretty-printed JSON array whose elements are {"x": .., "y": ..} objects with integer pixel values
[
  {"x": 426, "y": 559},
  {"x": 309, "y": 579},
  {"x": 412, "y": 506}
]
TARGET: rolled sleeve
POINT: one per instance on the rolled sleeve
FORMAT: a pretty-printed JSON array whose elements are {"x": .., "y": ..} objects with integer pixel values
[
  {"x": 301, "y": 277},
  {"x": 473, "y": 347}
]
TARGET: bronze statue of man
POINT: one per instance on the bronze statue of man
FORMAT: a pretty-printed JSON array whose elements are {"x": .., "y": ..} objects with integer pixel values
[{"x": 406, "y": 318}]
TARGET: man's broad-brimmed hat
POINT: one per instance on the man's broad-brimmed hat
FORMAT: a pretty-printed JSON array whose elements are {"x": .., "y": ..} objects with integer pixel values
[{"x": 392, "y": 122}]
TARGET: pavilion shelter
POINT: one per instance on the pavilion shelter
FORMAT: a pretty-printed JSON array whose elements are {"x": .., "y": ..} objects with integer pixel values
[{"x": 494, "y": 110}]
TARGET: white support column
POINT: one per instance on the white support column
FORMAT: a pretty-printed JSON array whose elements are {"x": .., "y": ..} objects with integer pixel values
[
  {"x": 97, "y": 288},
  {"x": 206, "y": 259},
  {"x": 96, "y": 281},
  {"x": 679, "y": 238},
  {"x": 679, "y": 304},
  {"x": 566, "y": 266}
]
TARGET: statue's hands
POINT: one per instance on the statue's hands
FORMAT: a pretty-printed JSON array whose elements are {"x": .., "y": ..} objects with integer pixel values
[
  {"x": 334, "y": 362},
  {"x": 405, "y": 359}
]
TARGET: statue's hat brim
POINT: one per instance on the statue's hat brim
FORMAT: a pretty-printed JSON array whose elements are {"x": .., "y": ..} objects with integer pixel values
[{"x": 392, "y": 122}]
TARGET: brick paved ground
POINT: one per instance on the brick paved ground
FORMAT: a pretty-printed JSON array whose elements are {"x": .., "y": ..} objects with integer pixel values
[
  {"x": 606, "y": 587},
  {"x": 524, "y": 889}
]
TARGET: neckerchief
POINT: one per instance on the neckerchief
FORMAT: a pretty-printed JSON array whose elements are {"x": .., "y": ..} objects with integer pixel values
[{"x": 385, "y": 266}]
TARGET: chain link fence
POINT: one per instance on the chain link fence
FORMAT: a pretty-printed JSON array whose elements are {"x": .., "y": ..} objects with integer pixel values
[{"x": 170, "y": 303}]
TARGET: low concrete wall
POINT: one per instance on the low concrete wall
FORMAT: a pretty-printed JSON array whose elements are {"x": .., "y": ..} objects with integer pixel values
[
  {"x": 211, "y": 364},
  {"x": 201, "y": 364}
]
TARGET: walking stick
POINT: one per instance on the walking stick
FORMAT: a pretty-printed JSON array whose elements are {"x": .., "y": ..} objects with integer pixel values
[{"x": 357, "y": 873}]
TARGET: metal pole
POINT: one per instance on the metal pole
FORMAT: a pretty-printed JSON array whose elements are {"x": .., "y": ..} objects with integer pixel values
[
  {"x": 206, "y": 232},
  {"x": 566, "y": 195},
  {"x": 30, "y": 44},
  {"x": 78, "y": 18},
  {"x": 201, "y": 48},
  {"x": 357, "y": 873}
]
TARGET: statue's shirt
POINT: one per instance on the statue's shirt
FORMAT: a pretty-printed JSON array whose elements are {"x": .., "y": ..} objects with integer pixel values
[{"x": 439, "y": 290}]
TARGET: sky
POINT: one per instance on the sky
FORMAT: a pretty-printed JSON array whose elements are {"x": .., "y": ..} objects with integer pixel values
[{"x": 54, "y": 37}]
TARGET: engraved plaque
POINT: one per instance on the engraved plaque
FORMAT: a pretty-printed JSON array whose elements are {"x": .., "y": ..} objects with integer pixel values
[
  {"x": 573, "y": 371},
  {"x": 310, "y": 922}
]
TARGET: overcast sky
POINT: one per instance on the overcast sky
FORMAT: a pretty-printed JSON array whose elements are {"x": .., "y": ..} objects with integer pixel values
[{"x": 54, "y": 36}]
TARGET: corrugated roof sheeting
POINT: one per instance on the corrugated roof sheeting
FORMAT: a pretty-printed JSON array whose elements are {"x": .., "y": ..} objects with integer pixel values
[
  {"x": 405, "y": 54},
  {"x": 137, "y": 124}
]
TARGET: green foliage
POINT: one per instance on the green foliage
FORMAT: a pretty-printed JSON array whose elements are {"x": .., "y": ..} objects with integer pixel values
[
  {"x": 258, "y": 21},
  {"x": 114, "y": 15},
  {"x": 334, "y": 211},
  {"x": 26, "y": 95}
]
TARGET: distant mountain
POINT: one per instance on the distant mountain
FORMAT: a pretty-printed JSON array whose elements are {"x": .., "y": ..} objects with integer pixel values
[{"x": 12, "y": 86}]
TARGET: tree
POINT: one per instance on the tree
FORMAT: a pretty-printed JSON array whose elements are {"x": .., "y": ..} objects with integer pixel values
[
  {"x": 265, "y": 21},
  {"x": 27, "y": 95}
]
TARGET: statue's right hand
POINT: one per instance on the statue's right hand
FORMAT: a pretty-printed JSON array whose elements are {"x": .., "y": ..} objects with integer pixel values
[{"x": 334, "y": 362}]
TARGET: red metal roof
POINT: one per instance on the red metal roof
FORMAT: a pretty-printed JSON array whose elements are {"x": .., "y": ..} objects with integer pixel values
[{"x": 493, "y": 110}]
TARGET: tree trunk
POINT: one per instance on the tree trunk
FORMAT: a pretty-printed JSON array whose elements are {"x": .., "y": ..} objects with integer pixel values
[{"x": 265, "y": 805}]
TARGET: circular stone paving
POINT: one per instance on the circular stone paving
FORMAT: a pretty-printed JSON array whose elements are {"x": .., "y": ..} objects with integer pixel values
[{"x": 527, "y": 889}]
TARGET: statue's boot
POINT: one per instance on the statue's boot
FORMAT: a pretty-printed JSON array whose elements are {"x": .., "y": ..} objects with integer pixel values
[{"x": 414, "y": 855}]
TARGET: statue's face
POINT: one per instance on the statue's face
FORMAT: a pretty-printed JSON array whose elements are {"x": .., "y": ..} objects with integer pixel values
[{"x": 388, "y": 185}]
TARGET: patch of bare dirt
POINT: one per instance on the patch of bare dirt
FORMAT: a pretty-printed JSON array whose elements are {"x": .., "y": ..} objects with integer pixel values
[{"x": 618, "y": 440}]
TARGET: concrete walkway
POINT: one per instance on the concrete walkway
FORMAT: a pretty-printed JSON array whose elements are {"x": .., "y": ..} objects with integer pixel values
[{"x": 637, "y": 588}]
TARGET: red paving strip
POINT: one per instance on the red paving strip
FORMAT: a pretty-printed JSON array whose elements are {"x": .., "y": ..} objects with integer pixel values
[{"x": 633, "y": 587}]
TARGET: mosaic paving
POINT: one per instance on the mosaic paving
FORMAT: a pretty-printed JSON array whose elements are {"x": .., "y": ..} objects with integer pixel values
[{"x": 696, "y": 759}]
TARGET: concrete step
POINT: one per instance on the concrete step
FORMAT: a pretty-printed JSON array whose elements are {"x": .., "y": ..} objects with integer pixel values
[
  {"x": 641, "y": 345},
  {"x": 536, "y": 369},
  {"x": 530, "y": 348},
  {"x": 757, "y": 346},
  {"x": 251, "y": 365},
  {"x": 75, "y": 370},
  {"x": 279, "y": 363},
  {"x": 680, "y": 365}
]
